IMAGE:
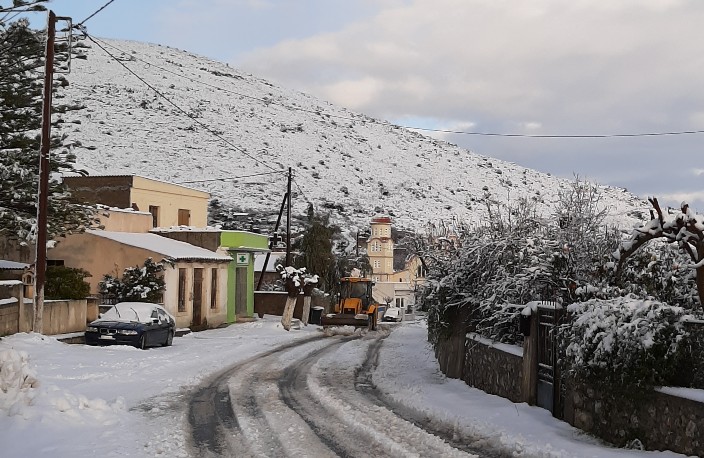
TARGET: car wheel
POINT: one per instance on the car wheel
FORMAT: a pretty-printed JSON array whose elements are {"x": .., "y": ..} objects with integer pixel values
[
  {"x": 143, "y": 342},
  {"x": 169, "y": 339}
]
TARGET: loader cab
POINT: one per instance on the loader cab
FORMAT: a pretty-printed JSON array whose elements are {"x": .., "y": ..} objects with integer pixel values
[{"x": 355, "y": 295}]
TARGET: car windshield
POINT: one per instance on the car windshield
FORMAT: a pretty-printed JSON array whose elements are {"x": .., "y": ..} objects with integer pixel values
[{"x": 130, "y": 311}]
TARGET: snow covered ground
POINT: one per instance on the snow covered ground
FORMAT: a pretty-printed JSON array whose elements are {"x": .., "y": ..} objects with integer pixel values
[{"x": 63, "y": 400}]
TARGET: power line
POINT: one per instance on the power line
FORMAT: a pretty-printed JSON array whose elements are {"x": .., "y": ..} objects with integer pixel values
[
  {"x": 80, "y": 24},
  {"x": 208, "y": 129},
  {"x": 424, "y": 129},
  {"x": 230, "y": 178},
  {"x": 302, "y": 193}
]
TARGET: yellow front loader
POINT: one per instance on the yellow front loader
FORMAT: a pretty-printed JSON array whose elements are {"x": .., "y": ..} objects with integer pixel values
[{"x": 356, "y": 306}]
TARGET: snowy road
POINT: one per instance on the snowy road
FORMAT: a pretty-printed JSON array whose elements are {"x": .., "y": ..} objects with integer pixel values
[
  {"x": 297, "y": 400},
  {"x": 294, "y": 394}
]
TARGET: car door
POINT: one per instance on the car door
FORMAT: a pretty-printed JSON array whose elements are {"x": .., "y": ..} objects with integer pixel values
[
  {"x": 164, "y": 325},
  {"x": 156, "y": 328}
]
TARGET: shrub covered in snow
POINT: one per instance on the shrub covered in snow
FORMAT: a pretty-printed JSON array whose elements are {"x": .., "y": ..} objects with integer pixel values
[
  {"x": 144, "y": 283},
  {"x": 626, "y": 342},
  {"x": 515, "y": 258}
]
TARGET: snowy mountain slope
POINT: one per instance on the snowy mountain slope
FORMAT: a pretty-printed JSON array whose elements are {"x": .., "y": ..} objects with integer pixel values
[{"x": 343, "y": 161}]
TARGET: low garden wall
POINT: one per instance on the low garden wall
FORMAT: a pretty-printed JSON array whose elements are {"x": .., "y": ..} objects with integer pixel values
[
  {"x": 273, "y": 303},
  {"x": 493, "y": 367},
  {"x": 660, "y": 421},
  {"x": 60, "y": 316},
  {"x": 663, "y": 419}
]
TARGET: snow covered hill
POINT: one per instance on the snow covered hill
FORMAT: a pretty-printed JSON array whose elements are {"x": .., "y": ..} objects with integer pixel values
[{"x": 346, "y": 162}]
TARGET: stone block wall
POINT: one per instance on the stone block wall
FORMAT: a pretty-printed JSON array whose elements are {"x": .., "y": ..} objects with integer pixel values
[
  {"x": 492, "y": 369},
  {"x": 658, "y": 420}
]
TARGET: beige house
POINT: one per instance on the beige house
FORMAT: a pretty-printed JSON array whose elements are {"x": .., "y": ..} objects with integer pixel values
[
  {"x": 395, "y": 274},
  {"x": 168, "y": 204},
  {"x": 196, "y": 278}
]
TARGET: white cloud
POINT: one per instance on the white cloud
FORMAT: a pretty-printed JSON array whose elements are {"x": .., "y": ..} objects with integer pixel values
[{"x": 534, "y": 66}]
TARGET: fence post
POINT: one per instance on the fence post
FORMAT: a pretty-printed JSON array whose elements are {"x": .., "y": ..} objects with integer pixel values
[{"x": 529, "y": 386}]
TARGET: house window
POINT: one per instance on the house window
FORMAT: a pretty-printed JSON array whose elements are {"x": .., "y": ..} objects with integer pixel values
[
  {"x": 400, "y": 302},
  {"x": 376, "y": 246},
  {"x": 213, "y": 288},
  {"x": 181, "y": 290},
  {"x": 184, "y": 217},
  {"x": 377, "y": 264},
  {"x": 420, "y": 272},
  {"x": 154, "y": 210},
  {"x": 54, "y": 262}
]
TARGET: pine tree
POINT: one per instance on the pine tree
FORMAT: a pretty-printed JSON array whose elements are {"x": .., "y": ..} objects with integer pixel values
[
  {"x": 316, "y": 249},
  {"x": 21, "y": 84}
]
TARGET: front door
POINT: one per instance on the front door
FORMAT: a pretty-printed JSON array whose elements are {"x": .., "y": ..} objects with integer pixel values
[
  {"x": 241, "y": 291},
  {"x": 197, "y": 297}
]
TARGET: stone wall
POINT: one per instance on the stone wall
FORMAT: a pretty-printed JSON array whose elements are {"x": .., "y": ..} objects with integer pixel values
[
  {"x": 493, "y": 369},
  {"x": 659, "y": 421}
]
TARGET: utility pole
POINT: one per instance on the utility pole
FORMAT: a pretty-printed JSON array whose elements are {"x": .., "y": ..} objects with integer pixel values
[
  {"x": 43, "y": 197},
  {"x": 288, "y": 220},
  {"x": 272, "y": 244}
]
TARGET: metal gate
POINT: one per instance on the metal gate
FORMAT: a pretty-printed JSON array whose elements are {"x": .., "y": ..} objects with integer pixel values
[{"x": 548, "y": 380}]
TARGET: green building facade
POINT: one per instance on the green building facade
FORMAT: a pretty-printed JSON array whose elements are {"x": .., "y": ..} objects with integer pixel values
[{"x": 241, "y": 246}]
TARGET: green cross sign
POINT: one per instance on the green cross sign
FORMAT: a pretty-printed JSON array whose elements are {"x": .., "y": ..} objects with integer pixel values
[{"x": 242, "y": 258}]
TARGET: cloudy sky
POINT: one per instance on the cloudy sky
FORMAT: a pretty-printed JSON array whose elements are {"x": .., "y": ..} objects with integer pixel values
[{"x": 526, "y": 67}]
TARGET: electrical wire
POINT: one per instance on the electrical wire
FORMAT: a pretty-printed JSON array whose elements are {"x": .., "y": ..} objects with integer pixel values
[
  {"x": 77, "y": 26},
  {"x": 203, "y": 125},
  {"x": 230, "y": 178},
  {"x": 423, "y": 129},
  {"x": 308, "y": 201}
]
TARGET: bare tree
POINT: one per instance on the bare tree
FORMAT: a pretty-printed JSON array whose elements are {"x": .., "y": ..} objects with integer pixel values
[{"x": 686, "y": 229}]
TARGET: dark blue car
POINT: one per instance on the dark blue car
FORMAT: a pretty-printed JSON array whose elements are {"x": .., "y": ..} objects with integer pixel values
[{"x": 140, "y": 324}]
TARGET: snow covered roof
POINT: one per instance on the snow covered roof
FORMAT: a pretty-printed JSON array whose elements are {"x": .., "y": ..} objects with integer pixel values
[
  {"x": 179, "y": 251},
  {"x": 12, "y": 265}
]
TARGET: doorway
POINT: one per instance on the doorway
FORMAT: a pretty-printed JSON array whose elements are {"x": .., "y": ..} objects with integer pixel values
[{"x": 197, "y": 297}]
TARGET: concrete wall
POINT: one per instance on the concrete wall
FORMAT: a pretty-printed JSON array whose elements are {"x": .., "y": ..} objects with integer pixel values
[
  {"x": 170, "y": 198},
  {"x": 273, "y": 303},
  {"x": 9, "y": 316},
  {"x": 99, "y": 256},
  {"x": 208, "y": 239},
  {"x": 213, "y": 314},
  {"x": 113, "y": 191},
  {"x": 123, "y": 191},
  {"x": 125, "y": 220},
  {"x": 60, "y": 317}
]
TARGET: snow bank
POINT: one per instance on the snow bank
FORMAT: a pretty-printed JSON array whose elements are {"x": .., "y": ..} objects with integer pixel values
[
  {"x": 22, "y": 395},
  {"x": 17, "y": 381}
]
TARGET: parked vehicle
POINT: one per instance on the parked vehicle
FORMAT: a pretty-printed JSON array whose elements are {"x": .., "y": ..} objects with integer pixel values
[
  {"x": 356, "y": 306},
  {"x": 140, "y": 324},
  {"x": 393, "y": 314}
]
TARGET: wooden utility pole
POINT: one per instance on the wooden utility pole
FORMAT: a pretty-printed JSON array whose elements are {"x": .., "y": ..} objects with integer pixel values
[
  {"x": 288, "y": 220},
  {"x": 43, "y": 196},
  {"x": 272, "y": 244}
]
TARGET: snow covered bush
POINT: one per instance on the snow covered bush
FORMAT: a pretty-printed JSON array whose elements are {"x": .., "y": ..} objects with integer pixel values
[
  {"x": 517, "y": 257},
  {"x": 66, "y": 283},
  {"x": 141, "y": 284},
  {"x": 625, "y": 342}
]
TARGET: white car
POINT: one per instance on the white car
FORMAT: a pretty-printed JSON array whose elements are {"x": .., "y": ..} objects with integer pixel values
[{"x": 393, "y": 314}]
